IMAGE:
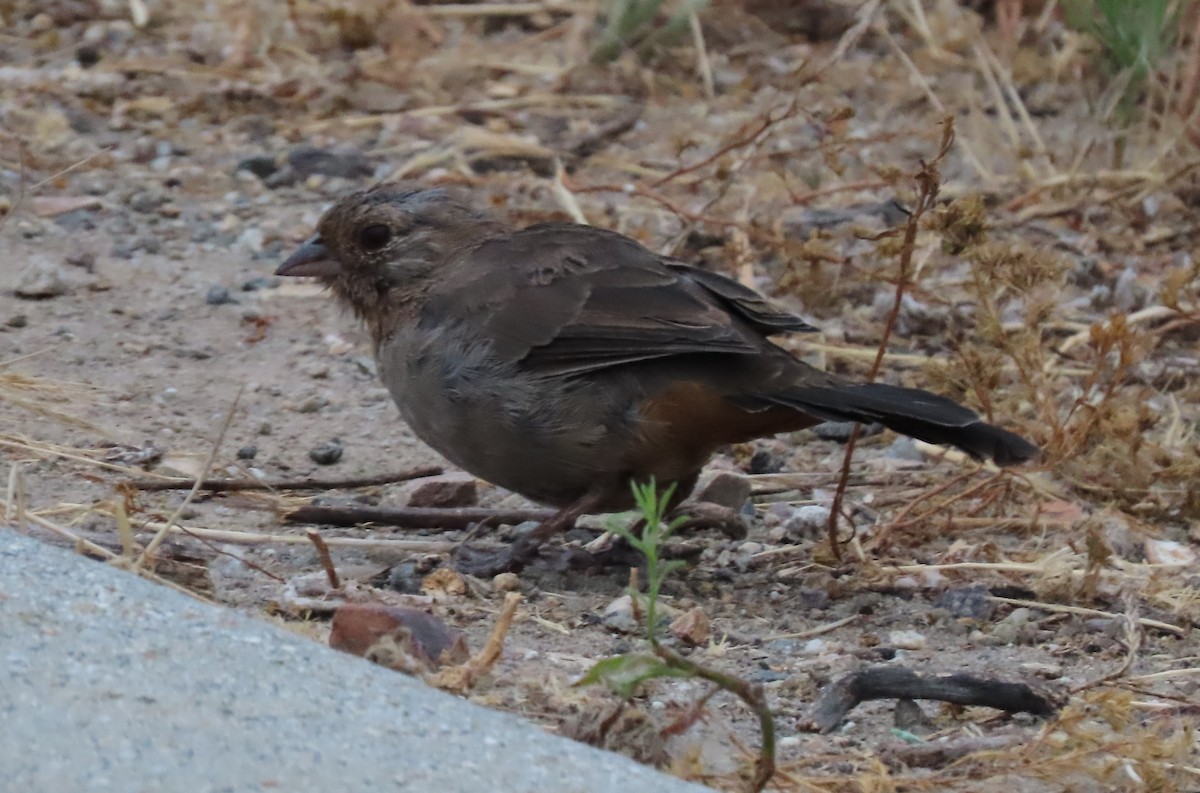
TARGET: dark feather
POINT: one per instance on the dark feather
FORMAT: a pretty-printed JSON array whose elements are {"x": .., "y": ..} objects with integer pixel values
[{"x": 910, "y": 411}]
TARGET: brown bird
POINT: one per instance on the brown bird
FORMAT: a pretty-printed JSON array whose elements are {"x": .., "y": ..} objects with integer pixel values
[{"x": 564, "y": 362}]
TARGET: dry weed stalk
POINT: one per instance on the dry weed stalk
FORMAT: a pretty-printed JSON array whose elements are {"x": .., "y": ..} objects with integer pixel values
[{"x": 927, "y": 181}]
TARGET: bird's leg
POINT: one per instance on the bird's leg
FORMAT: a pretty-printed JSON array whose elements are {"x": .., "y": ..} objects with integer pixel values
[{"x": 514, "y": 557}]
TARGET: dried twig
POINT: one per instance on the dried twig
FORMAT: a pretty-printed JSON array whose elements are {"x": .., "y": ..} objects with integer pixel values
[
  {"x": 464, "y": 677},
  {"x": 928, "y": 182},
  {"x": 148, "y": 552},
  {"x": 235, "y": 485},
  {"x": 326, "y": 560},
  {"x": 262, "y": 538},
  {"x": 413, "y": 517},
  {"x": 889, "y": 682}
]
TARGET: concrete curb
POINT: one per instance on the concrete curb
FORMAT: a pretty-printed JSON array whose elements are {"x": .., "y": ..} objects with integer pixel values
[{"x": 111, "y": 682}]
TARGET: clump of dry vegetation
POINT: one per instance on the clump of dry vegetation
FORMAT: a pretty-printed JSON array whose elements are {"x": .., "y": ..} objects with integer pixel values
[{"x": 1051, "y": 282}]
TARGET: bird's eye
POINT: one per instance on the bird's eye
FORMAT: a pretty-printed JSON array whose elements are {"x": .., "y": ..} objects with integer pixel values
[{"x": 375, "y": 236}]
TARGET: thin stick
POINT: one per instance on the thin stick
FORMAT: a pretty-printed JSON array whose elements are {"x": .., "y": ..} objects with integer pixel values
[
  {"x": 461, "y": 10},
  {"x": 463, "y": 677},
  {"x": 234, "y": 485},
  {"x": 262, "y": 538},
  {"x": 702, "y": 64},
  {"x": 326, "y": 560},
  {"x": 414, "y": 517},
  {"x": 82, "y": 545},
  {"x": 148, "y": 553},
  {"x": 828, "y": 627},
  {"x": 1165, "y": 627},
  {"x": 565, "y": 197}
]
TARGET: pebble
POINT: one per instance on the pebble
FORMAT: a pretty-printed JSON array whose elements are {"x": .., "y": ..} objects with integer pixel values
[
  {"x": 327, "y": 453},
  {"x": 506, "y": 582},
  {"x": 247, "y": 452},
  {"x": 969, "y": 601},
  {"x": 445, "y": 490},
  {"x": 619, "y": 615},
  {"x": 807, "y": 522},
  {"x": 41, "y": 279},
  {"x": 17, "y": 321},
  {"x": 312, "y": 404},
  {"x": 835, "y": 430},
  {"x": 724, "y": 488},
  {"x": 146, "y": 201},
  {"x": 262, "y": 282},
  {"x": 907, "y": 640},
  {"x": 1169, "y": 553},
  {"x": 904, "y": 449},
  {"x": 765, "y": 462},
  {"x": 406, "y": 577},
  {"x": 218, "y": 296}
]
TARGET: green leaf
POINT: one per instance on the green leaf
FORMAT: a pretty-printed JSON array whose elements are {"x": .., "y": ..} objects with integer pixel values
[{"x": 624, "y": 673}]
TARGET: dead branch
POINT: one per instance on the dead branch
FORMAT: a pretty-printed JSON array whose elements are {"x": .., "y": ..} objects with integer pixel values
[
  {"x": 888, "y": 682},
  {"x": 413, "y": 517}
]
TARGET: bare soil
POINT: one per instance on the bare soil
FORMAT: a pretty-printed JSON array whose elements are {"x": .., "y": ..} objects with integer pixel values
[{"x": 1051, "y": 286}]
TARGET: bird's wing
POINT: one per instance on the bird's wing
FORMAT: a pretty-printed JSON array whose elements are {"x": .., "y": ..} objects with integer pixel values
[{"x": 562, "y": 298}]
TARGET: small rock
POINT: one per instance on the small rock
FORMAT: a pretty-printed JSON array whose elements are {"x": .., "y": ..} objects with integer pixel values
[
  {"x": 812, "y": 599},
  {"x": 146, "y": 201},
  {"x": 907, "y": 640},
  {"x": 807, "y": 522},
  {"x": 1169, "y": 552},
  {"x": 247, "y": 452},
  {"x": 768, "y": 676},
  {"x": 255, "y": 284},
  {"x": 969, "y": 601},
  {"x": 327, "y": 453},
  {"x": 401, "y": 638},
  {"x": 17, "y": 321},
  {"x": 1005, "y": 632},
  {"x": 904, "y": 449},
  {"x": 619, "y": 615},
  {"x": 261, "y": 166},
  {"x": 1127, "y": 294},
  {"x": 312, "y": 404},
  {"x": 408, "y": 576},
  {"x": 507, "y": 582},
  {"x": 345, "y": 163},
  {"x": 692, "y": 626},
  {"x": 764, "y": 462},
  {"x": 41, "y": 279},
  {"x": 445, "y": 490},
  {"x": 909, "y": 716},
  {"x": 835, "y": 430},
  {"x": 814, "y": 647},
  {"x": 218, "y": 296},
  {"x": 1040, "y": 669},
  {"x": 724, "y": 488}
]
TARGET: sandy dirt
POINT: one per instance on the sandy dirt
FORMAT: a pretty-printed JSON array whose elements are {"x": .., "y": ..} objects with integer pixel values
[{"x": 138, "y": 315}]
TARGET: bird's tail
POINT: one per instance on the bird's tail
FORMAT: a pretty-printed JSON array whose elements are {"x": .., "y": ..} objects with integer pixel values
[{"x": 913, "y": 412}]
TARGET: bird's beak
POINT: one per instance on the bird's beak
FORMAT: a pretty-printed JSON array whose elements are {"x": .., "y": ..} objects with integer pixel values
[{"x": 311, "y": 258}]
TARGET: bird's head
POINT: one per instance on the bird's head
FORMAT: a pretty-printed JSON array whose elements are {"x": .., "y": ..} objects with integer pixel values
[{"x": 378, "y": 249}]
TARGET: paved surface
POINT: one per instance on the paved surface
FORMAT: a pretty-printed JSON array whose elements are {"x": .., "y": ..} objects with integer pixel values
[{"x": 110, "y": 682}]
